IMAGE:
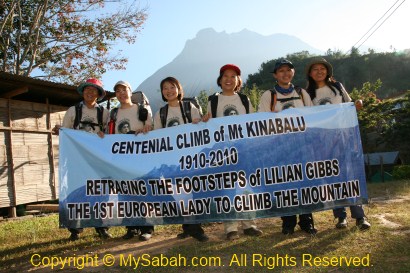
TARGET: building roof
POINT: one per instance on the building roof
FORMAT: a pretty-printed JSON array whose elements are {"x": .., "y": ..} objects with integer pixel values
[
  {"x": 24, "y": 88},
  {"x": 387, "y": 158}
]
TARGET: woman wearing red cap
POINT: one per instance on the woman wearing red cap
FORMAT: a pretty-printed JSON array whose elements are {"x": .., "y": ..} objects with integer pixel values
[
  {"x": 90, "y": 117},
  {"x": 227, "y": 103},
  {"x": 323, "y": 89}
]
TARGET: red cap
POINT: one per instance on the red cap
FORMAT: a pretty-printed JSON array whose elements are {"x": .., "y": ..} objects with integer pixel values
[
  {"x": 232, "y": 67},
  {"x": 92, "y": 82}
]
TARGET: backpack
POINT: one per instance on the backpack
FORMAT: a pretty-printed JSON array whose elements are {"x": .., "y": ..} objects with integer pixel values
[
  {"x": 186, "y": 106},
  {"x": 214, "y": 102},
  {"x": 195, "y": 102},
  {"x": 137, "y": 98},
  {"x": 274, "y": 98},
  {"x": 79, "y": 114}
]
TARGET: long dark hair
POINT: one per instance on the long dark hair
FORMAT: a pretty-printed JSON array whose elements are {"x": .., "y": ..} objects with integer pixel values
[{"x": 329, "y": 81}]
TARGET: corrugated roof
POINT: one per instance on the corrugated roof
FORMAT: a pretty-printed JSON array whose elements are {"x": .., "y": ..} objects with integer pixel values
[
  {"x": 24, "y": 88},
  {"x": 377, "y": 158}
]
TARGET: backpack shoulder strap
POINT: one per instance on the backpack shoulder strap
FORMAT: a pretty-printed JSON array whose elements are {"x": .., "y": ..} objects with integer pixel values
[
  {"x": 273, "y": 99},
  {"x": 298, "y": 90},
  {"x": 78, "y": 114},
  {"x": 163, "y": 114},
  {"x": 245, "y": 101},
  {"x": 113, "y": 114},
  {"x": 300, "y": 93},
  {"x": 214, "y": 103},
  {"x": 100, "y": 111},
  {"x": 339, "y": 87},
  {"x": 187, "y": 109}
]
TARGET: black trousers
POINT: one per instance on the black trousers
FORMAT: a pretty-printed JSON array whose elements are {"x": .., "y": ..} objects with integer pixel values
[
  {"x": 192, "y": 229},
  {"x": 305, "y": 221},
  {"x": 80, "y": 230},
  {"x": 142, "y": 229}
]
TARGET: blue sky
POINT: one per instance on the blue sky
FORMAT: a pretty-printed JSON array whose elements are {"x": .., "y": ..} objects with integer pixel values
[{"x": 323, "y": 24}]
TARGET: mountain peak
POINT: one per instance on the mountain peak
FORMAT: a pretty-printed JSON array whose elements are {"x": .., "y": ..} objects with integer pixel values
[
  {"x": 197, "y": 66},
  {"x": 205, "y": 32}
]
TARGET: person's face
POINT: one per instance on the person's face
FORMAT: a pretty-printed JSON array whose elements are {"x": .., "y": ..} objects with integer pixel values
[
  {"x": 284, "y": 75},
  {"x": 318, "y": 72},
  {"x": 170, "y": 91},
  {"x": 123, "y": 94},
  {"x": 125, "y": 128},
  {"x": 90, "y": 95},
  {"x": 229, "y": 80}
]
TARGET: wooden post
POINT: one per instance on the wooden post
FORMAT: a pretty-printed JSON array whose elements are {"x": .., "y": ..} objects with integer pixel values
[
  {"x": 12, "y": 210},
  {"x": 51, "y": 152},
  {"x": 381, "y": 168},
  {"x": 368, "y": 171}
]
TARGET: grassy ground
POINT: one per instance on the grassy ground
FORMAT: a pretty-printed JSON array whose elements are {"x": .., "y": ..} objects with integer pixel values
[{"x": 24, "y": 244}]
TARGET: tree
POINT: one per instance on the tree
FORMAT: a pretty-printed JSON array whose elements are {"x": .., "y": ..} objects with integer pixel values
[
  {"x": 398, "y": 133},
  {"x": 374, "y": 118},
  {"x": 354, "y": 52},
  {"x": 254, "y": 95},
  {"x": 203, "y": 101},
  {"x": 65, "y": 40}
]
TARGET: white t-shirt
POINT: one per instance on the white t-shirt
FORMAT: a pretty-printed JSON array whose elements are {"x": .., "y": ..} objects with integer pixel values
[
  {"x": 127, "y": 120},
  {"x": 284, "y": 101},
  {"x": 174, "y": 117},
  {"x": 88, "y": 116},
  {"x": 325, "y": 95},
  {"x": 230, "y": 106}
]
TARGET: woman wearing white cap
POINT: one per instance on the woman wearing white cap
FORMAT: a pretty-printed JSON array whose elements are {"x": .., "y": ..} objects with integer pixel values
[{"x": 127, "y": 119}]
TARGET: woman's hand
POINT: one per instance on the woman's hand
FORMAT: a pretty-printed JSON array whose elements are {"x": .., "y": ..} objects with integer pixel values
[
  {"x": 145, "y": 129},
  {"x": 358, "y": 104},
  {"x": 56, "y": 129},
  {"x": 206, "y": 117}
]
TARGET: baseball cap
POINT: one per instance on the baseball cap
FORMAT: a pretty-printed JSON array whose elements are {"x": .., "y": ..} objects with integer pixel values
[
  {"x": 279, "y": 63},
  {"x": 123, "y": 83},
  {"x": 232, "y": 67}
]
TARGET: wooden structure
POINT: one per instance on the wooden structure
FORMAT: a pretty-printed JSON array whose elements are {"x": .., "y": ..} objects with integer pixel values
[
  {"x": 29, "y": 109},
  {"x": 379, "y": 166}
]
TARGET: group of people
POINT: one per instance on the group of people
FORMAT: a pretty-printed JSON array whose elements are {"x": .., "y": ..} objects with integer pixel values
[{"x": 321, "y": 89}]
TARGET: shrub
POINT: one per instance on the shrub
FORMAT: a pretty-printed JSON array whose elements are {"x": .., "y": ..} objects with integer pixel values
[{"x": 401, "y": 172}]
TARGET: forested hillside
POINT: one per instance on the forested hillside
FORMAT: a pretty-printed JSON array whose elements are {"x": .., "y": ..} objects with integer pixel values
[{"x": 393, "y": 69}]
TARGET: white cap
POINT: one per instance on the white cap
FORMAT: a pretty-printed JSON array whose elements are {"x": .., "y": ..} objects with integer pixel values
[{"x": 124, "y": 83}]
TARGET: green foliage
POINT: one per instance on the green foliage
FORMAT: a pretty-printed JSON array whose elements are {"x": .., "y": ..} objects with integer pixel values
[
  {"x": 397, "y": 134},
  {"x": 203, "y": 101},
  {"x": 254, "y": 95},
  {"x": 66, "y": 40},
  {"x": 401, "y": 172}
]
